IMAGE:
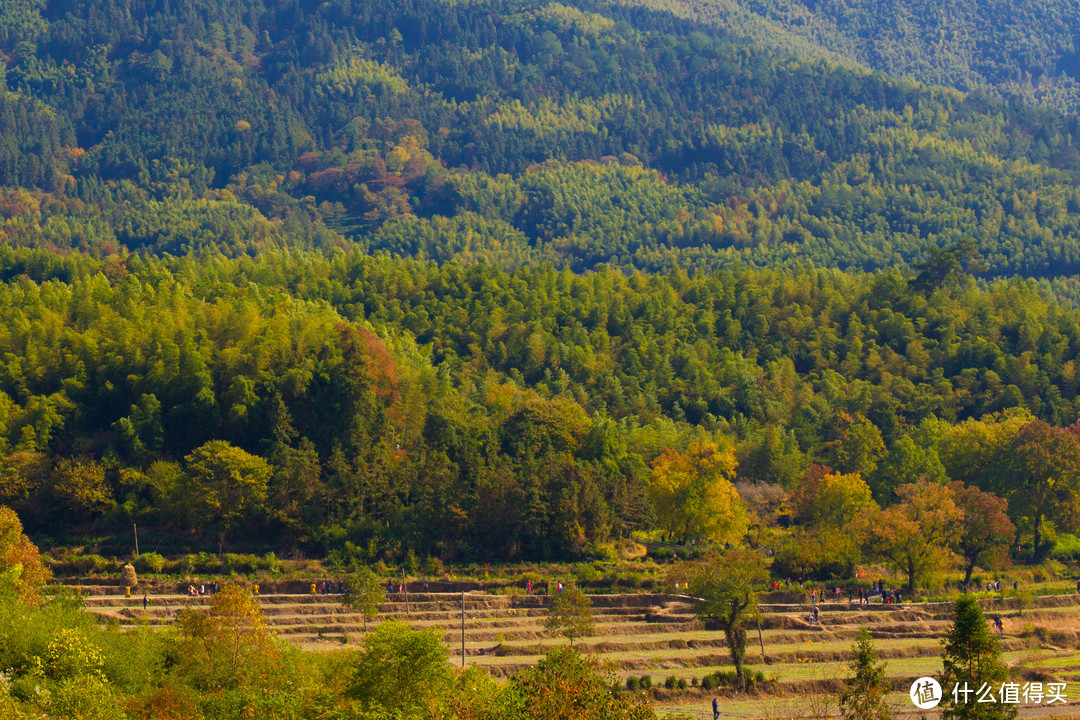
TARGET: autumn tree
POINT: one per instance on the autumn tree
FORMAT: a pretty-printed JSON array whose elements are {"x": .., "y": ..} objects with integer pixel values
[
  {"x": 79, "y": 487},
  {"x": 570, "y": 614},
  {"x": 21, "y": 569},
  {"x": 727, "y": 585},
  {"x": 694, "y": 496},
  {"x": 221, "y": 485},
  {"x": 915, "y": 534},
  {"x": 230, "y": 644},
  {"x": 986, "y": 530},
  {"x": 832, "y": 501}
]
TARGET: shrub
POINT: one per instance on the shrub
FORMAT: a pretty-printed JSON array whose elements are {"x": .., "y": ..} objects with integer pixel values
[
  {"x": 335, "y": 560},
  {"x": 150, "y": 562},
  {"x": 1067, "y": 547},
  {"x": 661, "y": 553},
  {"x": 270, "y": 563},
  {"x": 728, "y": 678},
  {"x": 632, "y": 683},
  {"x": 670, "y": 682},
  {"x": 240, "y": 563},
  {"x": 681, "y": 684},
  {"x": 586, "y": 574},
  {"x": 646, "y": 682}
]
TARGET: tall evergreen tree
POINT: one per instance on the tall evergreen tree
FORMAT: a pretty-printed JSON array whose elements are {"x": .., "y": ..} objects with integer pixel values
[
  {"x": 973, "y": 667},
  {"x": 863, "y": 697}
]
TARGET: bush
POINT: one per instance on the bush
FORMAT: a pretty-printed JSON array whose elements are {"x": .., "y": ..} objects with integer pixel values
[
  {"x": 1067, "y": 547},
  {"x": 240, "y": 563},
  {"x": 670, "y": 682},
  {"x": 661, "y": 553},
  {"x": 632, "y": 683},
  {"x": 150, "y": 562},
  {"x": 646, "y": 682},
  {"x": 270, "y": 563},
  {"x": 586, "y": 574},
  {"x": 681, "y": 684},
  {"x": 71, "y": 563},
  {"x": 728, "y": 678}
]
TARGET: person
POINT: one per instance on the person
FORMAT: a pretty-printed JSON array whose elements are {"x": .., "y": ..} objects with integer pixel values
[
  {"x": 560, "y": 586},
  {"x": 202, "y": 589},
  {"x": 715, "y": 709},
  {"x": 999, "y": 625},
  {"x": 813, "y": 597},
  {"x": 528, "y": 588},
  {"x": 145, "y": 601}
]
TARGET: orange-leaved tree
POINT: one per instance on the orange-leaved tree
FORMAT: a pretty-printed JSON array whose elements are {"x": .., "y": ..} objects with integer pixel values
[{"x": 21, "y": 569}]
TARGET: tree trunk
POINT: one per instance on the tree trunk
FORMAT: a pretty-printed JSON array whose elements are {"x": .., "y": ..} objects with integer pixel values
[
  {"x": 1039, "y": 551},
  {"x": 969, "y": 568}
]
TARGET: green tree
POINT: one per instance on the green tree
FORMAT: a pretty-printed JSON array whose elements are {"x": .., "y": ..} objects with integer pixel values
[
  {"x": 972, "y": 658},
  {"x": 1042, "y": 470},
  {"x": 364, "y": 595},
  {"x": 727, "y": 586},
  {"x": 863, "y": 696},
  {"x": 401, "y": 670},
  {"x": 570, "y": 614},
  {"x": 223, "y": 484},
  {"x": 564, "y": 685}
]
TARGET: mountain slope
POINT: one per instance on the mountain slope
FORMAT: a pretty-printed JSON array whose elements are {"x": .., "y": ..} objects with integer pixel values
[{"x": 1023, "y": 49}]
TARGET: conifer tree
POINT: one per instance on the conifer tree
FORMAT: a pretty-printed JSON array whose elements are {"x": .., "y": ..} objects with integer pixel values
[
  {"x": 973, "y": 667},
  {"x": 863, "y": 697}
]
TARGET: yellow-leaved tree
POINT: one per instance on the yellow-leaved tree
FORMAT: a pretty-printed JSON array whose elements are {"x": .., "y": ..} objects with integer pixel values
[
  {"x": 693, "y": 495},
  {"x": 21, "y": 569},
  {"x": 230, "y": 646}
]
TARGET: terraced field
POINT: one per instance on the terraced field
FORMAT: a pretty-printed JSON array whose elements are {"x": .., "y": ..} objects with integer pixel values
[{"x": 658, "y": 635}]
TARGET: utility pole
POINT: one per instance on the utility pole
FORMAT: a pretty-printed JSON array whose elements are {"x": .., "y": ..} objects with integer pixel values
[
  {"x": 462, "y": 628},
  {"x": 135, "y": 527}
]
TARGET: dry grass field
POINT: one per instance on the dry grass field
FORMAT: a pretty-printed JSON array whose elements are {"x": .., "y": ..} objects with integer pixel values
[{"x": 657, "y": 635}]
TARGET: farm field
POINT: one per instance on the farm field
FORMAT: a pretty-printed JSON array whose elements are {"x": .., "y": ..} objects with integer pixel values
[{"x": 657, "y": 635}]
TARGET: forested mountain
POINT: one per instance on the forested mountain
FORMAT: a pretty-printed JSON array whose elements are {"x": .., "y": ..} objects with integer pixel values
[
  {"x": 524, "y": 130},
  {"x": 483, "y": 279},
  {"x": 1024, "y": 49}
]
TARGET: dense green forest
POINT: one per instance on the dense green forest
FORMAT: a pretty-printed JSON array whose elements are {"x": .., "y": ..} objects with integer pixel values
[
  {"x": 509, "y": 132},
  {"x": 510, "y": 279},
  {"x": 1026, "y": 50}
]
